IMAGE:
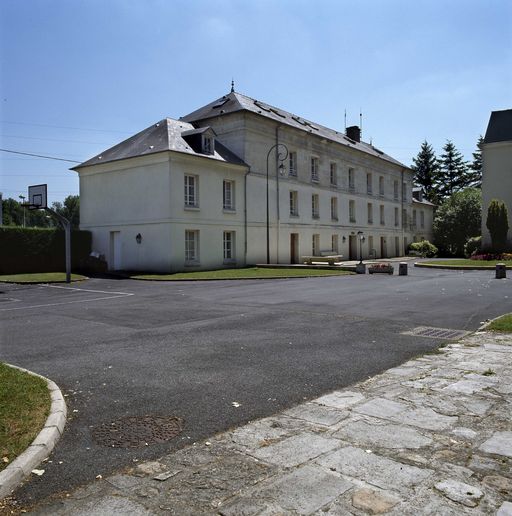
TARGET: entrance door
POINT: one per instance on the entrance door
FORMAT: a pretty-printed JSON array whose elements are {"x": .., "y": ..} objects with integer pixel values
[
  {"x": 352, "y": 247},
  {"x": 383, "y": 253},
  {"x": 294, "y": 248},
  {"x": 115, "y": 250}
]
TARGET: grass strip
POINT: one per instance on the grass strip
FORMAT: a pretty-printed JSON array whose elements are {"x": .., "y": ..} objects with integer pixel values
[
  {"x": 248, "y": 273},
  {"x": 40, "y": 277},
  {"x": 503, "y": 323},
  {"x": 24, "y": 406}
]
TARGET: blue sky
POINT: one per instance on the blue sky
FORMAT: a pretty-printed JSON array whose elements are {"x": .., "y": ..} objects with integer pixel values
[{"x": 79, "y": 76}]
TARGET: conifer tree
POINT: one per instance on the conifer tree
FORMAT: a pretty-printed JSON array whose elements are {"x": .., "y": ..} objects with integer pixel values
[
  {"x": 497, "y": 224},
  {"x": 475, "y": 168},
  {"x": 452, "y": 176},
  {"x": 426, "y": 168}
]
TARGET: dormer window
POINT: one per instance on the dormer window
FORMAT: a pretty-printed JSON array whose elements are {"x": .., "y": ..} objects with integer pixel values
[{"x": 208, "y": 144}]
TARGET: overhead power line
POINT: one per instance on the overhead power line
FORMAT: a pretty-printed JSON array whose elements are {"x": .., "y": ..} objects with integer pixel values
[{"x": 39, "y": 156}]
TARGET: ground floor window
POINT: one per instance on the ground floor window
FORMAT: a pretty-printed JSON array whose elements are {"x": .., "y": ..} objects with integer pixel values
[
  {"x": 371, "y": 250},
  {"x": 316, "y": 245},
  {"x": 191, "y": 246},
  {"x": 335, "y": 244},
  {"x": 229, "y": 246}
]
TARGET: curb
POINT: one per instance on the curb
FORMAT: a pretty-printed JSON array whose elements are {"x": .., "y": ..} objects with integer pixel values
[
  {"x": 456, "y": 267},
  {"x": 41, "y": 447}
]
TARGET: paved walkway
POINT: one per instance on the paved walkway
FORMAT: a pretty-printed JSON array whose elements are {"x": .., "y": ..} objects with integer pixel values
[{"x": 433, "y": 436}]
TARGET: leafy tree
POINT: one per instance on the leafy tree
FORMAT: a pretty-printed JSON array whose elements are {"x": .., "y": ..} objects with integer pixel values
[
  {"x": 13, "y": 214},
  {"x": 452, "y": 176},
  {"x": 426, "y": 169},
  {"x": 70, "y": 209},
  {"x": 457, "y": 219},
  {"x": 497, "y": 224},
  {"x": 475, "y": 168}
]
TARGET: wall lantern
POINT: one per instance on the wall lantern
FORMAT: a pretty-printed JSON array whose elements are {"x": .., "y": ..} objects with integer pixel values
[
  {"x": 138, "y": 238},
  {"x": 344, "y": 238}
]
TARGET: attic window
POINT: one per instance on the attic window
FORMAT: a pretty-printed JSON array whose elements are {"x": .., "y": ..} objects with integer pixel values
[
  {"x": 207, "y": 144},
  {"x": 220, "y": 103}
]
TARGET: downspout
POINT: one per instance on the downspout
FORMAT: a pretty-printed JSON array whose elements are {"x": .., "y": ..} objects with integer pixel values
[
  {"x": 277, "y": 190},
  {"x": 245, "y": 215},
  {"x": 402, "y": 211}
]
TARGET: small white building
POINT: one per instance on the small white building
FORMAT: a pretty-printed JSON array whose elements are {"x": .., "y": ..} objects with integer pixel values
[
  {"x": 497, "y": 168},
  {"x": 192, "y": 193}
]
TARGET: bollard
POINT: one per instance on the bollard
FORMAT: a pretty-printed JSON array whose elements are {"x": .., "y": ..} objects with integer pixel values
[
  {"x": 361, "y": 268},
  {"x": 501, "y": 271},
  {"x": 402, "y": 269}
]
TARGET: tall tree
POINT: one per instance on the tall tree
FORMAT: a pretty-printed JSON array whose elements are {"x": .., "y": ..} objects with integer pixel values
[
  {"x": 497, "y": 224},
  {"x": 426, "y": 169},
  {"x": 457, "y": 219},
  {"x": 70, "y": 209},
  {"x": 475, "y": 168},
  {"x": 453, "y": 169}
]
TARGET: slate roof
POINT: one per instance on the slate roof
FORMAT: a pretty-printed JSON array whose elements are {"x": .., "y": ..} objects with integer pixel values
[
  {"x": 235, "y": 101},
  {"x": 500, "y": 127},
  {"x": 166, "y": 135}
]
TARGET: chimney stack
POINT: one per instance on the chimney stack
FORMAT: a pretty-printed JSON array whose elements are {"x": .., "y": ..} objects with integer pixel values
[{"x": 354, "y": 133}]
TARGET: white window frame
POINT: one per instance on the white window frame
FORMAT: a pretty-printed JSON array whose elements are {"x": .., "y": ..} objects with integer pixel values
[
  {"x": 422, "y": 219},
  {"x": 334, "y": 208},
  {"x": 370, "y": 213},
  {"x": 397, "y": 223},
  {"x": 404, "y": 192},
  {"x": 369, "y": 183},
  {"x": 414, "y": 218},
  {"x": 314, "y": 169},
  {"x": 352, "y": 211},
  {"x": 395, "y": 190},
  {"x": 191, "y": 246},
  {"x": 315, "y": 206},
  {"x": 228, "y": 195},
  {"x": 294, "y": 203},
  {"x": 228, "y": 246},
  {"x": 381, "y": 185},
  {"x": 208, "y": 144},
  {"x": 292, "y": 164},
  {"x": 315, "y": 244},
  {"x": 191, "y": 193},
  {"x": 351, "y": 179},
  {"x": 333, "y": 170},
  {"x": 382, "y": 213}
]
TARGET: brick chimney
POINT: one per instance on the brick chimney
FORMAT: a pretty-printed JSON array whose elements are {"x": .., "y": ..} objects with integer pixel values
[{"x": 354, "y": 133}]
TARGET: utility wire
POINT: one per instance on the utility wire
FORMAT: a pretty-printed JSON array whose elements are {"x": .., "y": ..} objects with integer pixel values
[{"x": 39, "y": 156}]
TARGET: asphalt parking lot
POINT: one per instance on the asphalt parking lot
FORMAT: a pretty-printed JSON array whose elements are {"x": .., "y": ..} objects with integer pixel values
[{"x": 190, "y": 349}]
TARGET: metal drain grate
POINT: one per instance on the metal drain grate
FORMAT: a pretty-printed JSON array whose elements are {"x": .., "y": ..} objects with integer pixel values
[
  {"x": 137, "y": 431},
  {"x": 436, "y": 333}
]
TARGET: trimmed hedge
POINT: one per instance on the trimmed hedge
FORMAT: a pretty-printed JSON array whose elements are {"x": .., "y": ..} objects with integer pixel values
[{"x": 24, "y": 250}]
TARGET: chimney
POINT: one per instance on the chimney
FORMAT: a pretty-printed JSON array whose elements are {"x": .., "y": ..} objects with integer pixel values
[{"x": 354, "y": 133}]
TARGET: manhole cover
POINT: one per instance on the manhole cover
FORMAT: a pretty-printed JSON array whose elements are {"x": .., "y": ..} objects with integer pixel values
[
  {"x": 436, "y": 333},
  {"x": 137, "y": 431}
]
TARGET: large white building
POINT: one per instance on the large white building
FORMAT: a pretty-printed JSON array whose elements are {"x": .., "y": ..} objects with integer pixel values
[
  {"x": 192, "y": 193},
  {"x": 497, "y": 168}
]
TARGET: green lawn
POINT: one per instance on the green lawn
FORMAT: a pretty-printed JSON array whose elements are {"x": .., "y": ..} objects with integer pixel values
[
  {"x": 24, "y": 407},
  {"x": 468, "y": 263},
  {"x": 504, "y": 323},
  {"x": 40, "y": 277},
  {"x": 249, "y": 273}
]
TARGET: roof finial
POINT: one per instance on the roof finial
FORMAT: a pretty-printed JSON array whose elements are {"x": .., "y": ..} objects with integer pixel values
[{"x": 232, "y": 85}]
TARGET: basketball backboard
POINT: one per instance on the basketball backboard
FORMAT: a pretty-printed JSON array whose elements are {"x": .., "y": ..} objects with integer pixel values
[{"x": 37, "y": 197}]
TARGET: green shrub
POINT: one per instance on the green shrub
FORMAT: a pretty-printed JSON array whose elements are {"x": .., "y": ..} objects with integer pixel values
[
  {"x": 424, "y": 248},
  {"x": 497, "y": 224},
  {"x": 473, "y": 246},
  {"x": 27, "y": 250}
]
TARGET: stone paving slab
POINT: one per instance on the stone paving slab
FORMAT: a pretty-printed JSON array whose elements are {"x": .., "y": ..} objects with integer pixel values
[{"x": 431, "y": 437}]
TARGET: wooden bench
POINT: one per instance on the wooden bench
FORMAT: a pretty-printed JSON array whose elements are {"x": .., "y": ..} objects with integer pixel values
[{"x": 322, "y": 259}]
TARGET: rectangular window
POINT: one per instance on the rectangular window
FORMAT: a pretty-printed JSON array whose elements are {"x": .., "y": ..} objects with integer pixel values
[
  {"x": 334, "y": 174},
  {"x": 397, "y": 223},
  {"x": 352, "y": 211},
  {"x": 381, "y": 185},
  {"x": 404, "y": 218},
  {"x": 191, "y": 198},
  {"x": 334, "y": 208},
  {"x": 191, "y": 246},
  {"x": 395, "y": 190},
  {"x": 315, "y": 209},
  {"x": 414, "y": 218},
  {"x": 292, "y": 163},
  {"x": 371, "y": 250},
  {"x": 382, "y": 219},
  {"x": 335, "y": 244},
  {"x": 422, "y": 219},
  {"x": 229, "y": 246},
  {"x": 314, "y": 169},
  {"x": 404, "y": 192},
  {"x": 316, "y": 245},
  {"x": 294, "y": 204},
  {"x": 369, "y": 186},
  {"x": 228, "y": 195},
  {"x": 351, "y": 179},
  {"x": 370, "y": 213},
  {"x": 207, "y": 145}
]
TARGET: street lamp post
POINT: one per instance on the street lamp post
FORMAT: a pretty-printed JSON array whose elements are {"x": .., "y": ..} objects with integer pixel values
[
  {"x": 361, "y": 240},
  {"x": 281, "y": 156}
]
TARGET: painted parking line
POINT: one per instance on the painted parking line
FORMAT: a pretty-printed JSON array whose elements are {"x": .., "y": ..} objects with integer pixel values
[{"x": 112, "y": 295}]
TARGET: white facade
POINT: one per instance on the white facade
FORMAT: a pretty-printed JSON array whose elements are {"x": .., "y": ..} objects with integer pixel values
[
  {"x": 139, "y": 201},
  {"x": 497, "y": 168}
]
